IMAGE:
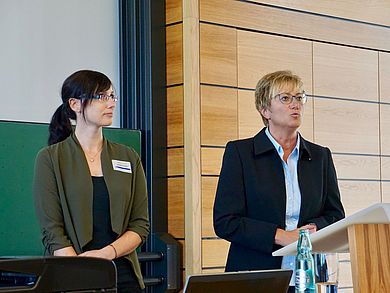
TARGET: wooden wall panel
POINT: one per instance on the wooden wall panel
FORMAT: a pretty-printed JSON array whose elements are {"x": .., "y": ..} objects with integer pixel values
[
  {"x": 357, "y": 195},
  {"x": 175, "y": 116},
  {"x": 385, "y": 164},
  {"x": 385, "y": 128},
  {"x": 175, "y": 161},
  {"x": 259, "y": 54},
  {"x": 211, "y": 159},
  {"x": 176, "y": 207},
  {"x": 357, "y": 167},
  {"x": 345, "y": 72},
  {"x": 347, "y": 126},
  {"x": 214, "y": 253},
  {"x": 209, "y": 188},
  {"x": 293, "y": 23},
  {"x": 218, "y": 55},
  {"x": 249, "y": 119},
  {"x": 218, "y": 115},
  {"x": 174, "y": 54},
  {"x": 386, "y": 191},
  {"x": 373, "y": 11},
  {"x": 384, "y": 76},
  {"x": 173, "y": 11}
]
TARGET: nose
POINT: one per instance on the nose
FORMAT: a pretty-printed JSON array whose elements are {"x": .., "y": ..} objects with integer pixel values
[
  {"x": 111, "y": 104},
  {"x": 295, "y": 104}
]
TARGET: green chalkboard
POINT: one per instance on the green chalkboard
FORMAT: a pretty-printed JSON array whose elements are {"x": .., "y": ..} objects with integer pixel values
[{"x": 19, "y": 144}]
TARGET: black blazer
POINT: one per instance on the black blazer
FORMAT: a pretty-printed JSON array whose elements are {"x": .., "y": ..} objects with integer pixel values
[{"x": 250, "y": 203}]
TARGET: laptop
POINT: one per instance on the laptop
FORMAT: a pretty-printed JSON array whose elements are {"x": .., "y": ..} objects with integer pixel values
[{"x": 264, "y": 281}]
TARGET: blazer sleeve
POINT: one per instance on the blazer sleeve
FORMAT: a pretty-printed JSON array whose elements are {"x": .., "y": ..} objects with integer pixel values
[
  {"x": 47, "y": 204},
  {"x": 139, "y": 219},
  {"x": 333, "y": 210},
  {"x": 230, "y": 211}
]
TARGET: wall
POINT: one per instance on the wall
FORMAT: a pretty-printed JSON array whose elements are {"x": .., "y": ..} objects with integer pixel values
[
  {"x": 43, "y": 42},
  {"x": 216, "y": 52}
]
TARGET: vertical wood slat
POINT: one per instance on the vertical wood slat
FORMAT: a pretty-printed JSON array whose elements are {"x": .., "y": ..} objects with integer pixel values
[
  {"x": 175, "y": 161},
  {"x": 175, "y": 116},
  {"x": 209, "y": 187},
  {"x": 370, "y": 253},
  {"x": 173, "y": 11},
  {"x": 192, "y": 171},
  {"x": 174, "y": 54},
  {"x": 176, "y": 207}
]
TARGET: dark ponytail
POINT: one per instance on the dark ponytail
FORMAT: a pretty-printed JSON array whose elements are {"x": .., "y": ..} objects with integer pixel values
[
  {"x": 60, "y": 127},
  {"x": 82, "y": 85}
]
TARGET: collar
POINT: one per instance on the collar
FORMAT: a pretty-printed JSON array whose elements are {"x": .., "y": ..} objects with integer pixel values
[
  {"x": 262, "y": 144},
  {"x": 279, "y": 148}
]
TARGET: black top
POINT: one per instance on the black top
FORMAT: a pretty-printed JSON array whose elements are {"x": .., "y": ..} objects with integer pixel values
[
  {"x": 102, "y": 229},
  {"x": 103, "y": 235}
]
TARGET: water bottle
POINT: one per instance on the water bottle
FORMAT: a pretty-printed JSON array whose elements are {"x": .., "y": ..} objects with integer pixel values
[{"x": 304, "y": 265}]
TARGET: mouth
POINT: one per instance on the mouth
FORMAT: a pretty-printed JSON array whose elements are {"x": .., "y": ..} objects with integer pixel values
[{"x": 296, "y": 115}]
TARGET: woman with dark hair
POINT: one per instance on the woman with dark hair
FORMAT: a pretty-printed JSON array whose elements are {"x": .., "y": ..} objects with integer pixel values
[{"x": 90, "y": 193}]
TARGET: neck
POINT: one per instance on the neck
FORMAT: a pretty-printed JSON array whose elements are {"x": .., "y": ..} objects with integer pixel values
[
  {"x": 287, "y": 139},
  {"x": 90, "y": 138}
]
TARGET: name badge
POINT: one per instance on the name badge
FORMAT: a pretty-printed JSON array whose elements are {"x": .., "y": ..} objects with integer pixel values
[{"x": 121, "y": 166}]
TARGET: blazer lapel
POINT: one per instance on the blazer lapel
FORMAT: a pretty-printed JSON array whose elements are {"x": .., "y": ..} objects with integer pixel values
[
  {"x": 305, "y": 179},
  {"x": 116, "y": 188}
]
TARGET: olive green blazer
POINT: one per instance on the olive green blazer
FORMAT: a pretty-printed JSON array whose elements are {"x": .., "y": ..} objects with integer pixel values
[{"x": 63, "y": 195}]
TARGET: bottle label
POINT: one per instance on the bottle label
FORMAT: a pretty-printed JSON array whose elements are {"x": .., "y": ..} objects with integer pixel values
[{"x": 300, "y": 279}]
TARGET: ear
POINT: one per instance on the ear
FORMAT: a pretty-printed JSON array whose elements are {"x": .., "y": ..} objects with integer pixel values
[
  {"x": 266, "y": 113},
  {"x": 75, "y": 105}
]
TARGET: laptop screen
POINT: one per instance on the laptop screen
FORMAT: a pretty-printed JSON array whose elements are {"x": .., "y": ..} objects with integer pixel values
[{"x": 275, "y": 281}]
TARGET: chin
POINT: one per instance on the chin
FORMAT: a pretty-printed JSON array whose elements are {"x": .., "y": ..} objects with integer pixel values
[{"x": 107, "y": 123}]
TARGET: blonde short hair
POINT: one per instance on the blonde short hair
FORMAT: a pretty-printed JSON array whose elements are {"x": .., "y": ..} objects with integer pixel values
[{"x": 269, "y": 84}]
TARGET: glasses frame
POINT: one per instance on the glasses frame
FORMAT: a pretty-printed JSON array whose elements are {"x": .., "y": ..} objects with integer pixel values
[
  {"x": 301, "y": 101},
  {"x": 101, "y": 97}
]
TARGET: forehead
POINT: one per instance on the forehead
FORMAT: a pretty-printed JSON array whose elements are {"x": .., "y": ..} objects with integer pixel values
[{"x": 290, "y": 88}]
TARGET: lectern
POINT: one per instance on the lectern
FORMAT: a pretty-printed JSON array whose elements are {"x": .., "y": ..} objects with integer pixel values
[{"x": 366, "y": 235}]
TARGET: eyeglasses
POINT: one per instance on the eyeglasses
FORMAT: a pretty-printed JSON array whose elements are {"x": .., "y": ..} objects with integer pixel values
[
  {"x": 287, "y": 99},
  {"x": 101, "y": 97}
]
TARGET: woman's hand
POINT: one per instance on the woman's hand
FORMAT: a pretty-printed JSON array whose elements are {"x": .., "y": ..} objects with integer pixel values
[
  {"x": 284, "y": 238},
  {"x": 66, "y": 251},
  {"x": 106, "y": 252}
]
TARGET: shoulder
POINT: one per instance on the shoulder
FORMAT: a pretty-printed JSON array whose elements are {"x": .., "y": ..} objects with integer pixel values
[
  {"x": 50, "y": 150},
  {"x": 315, "y": 149},
  {"x": 122, "y": 150},
  {"x": 240, "y": 144}
]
